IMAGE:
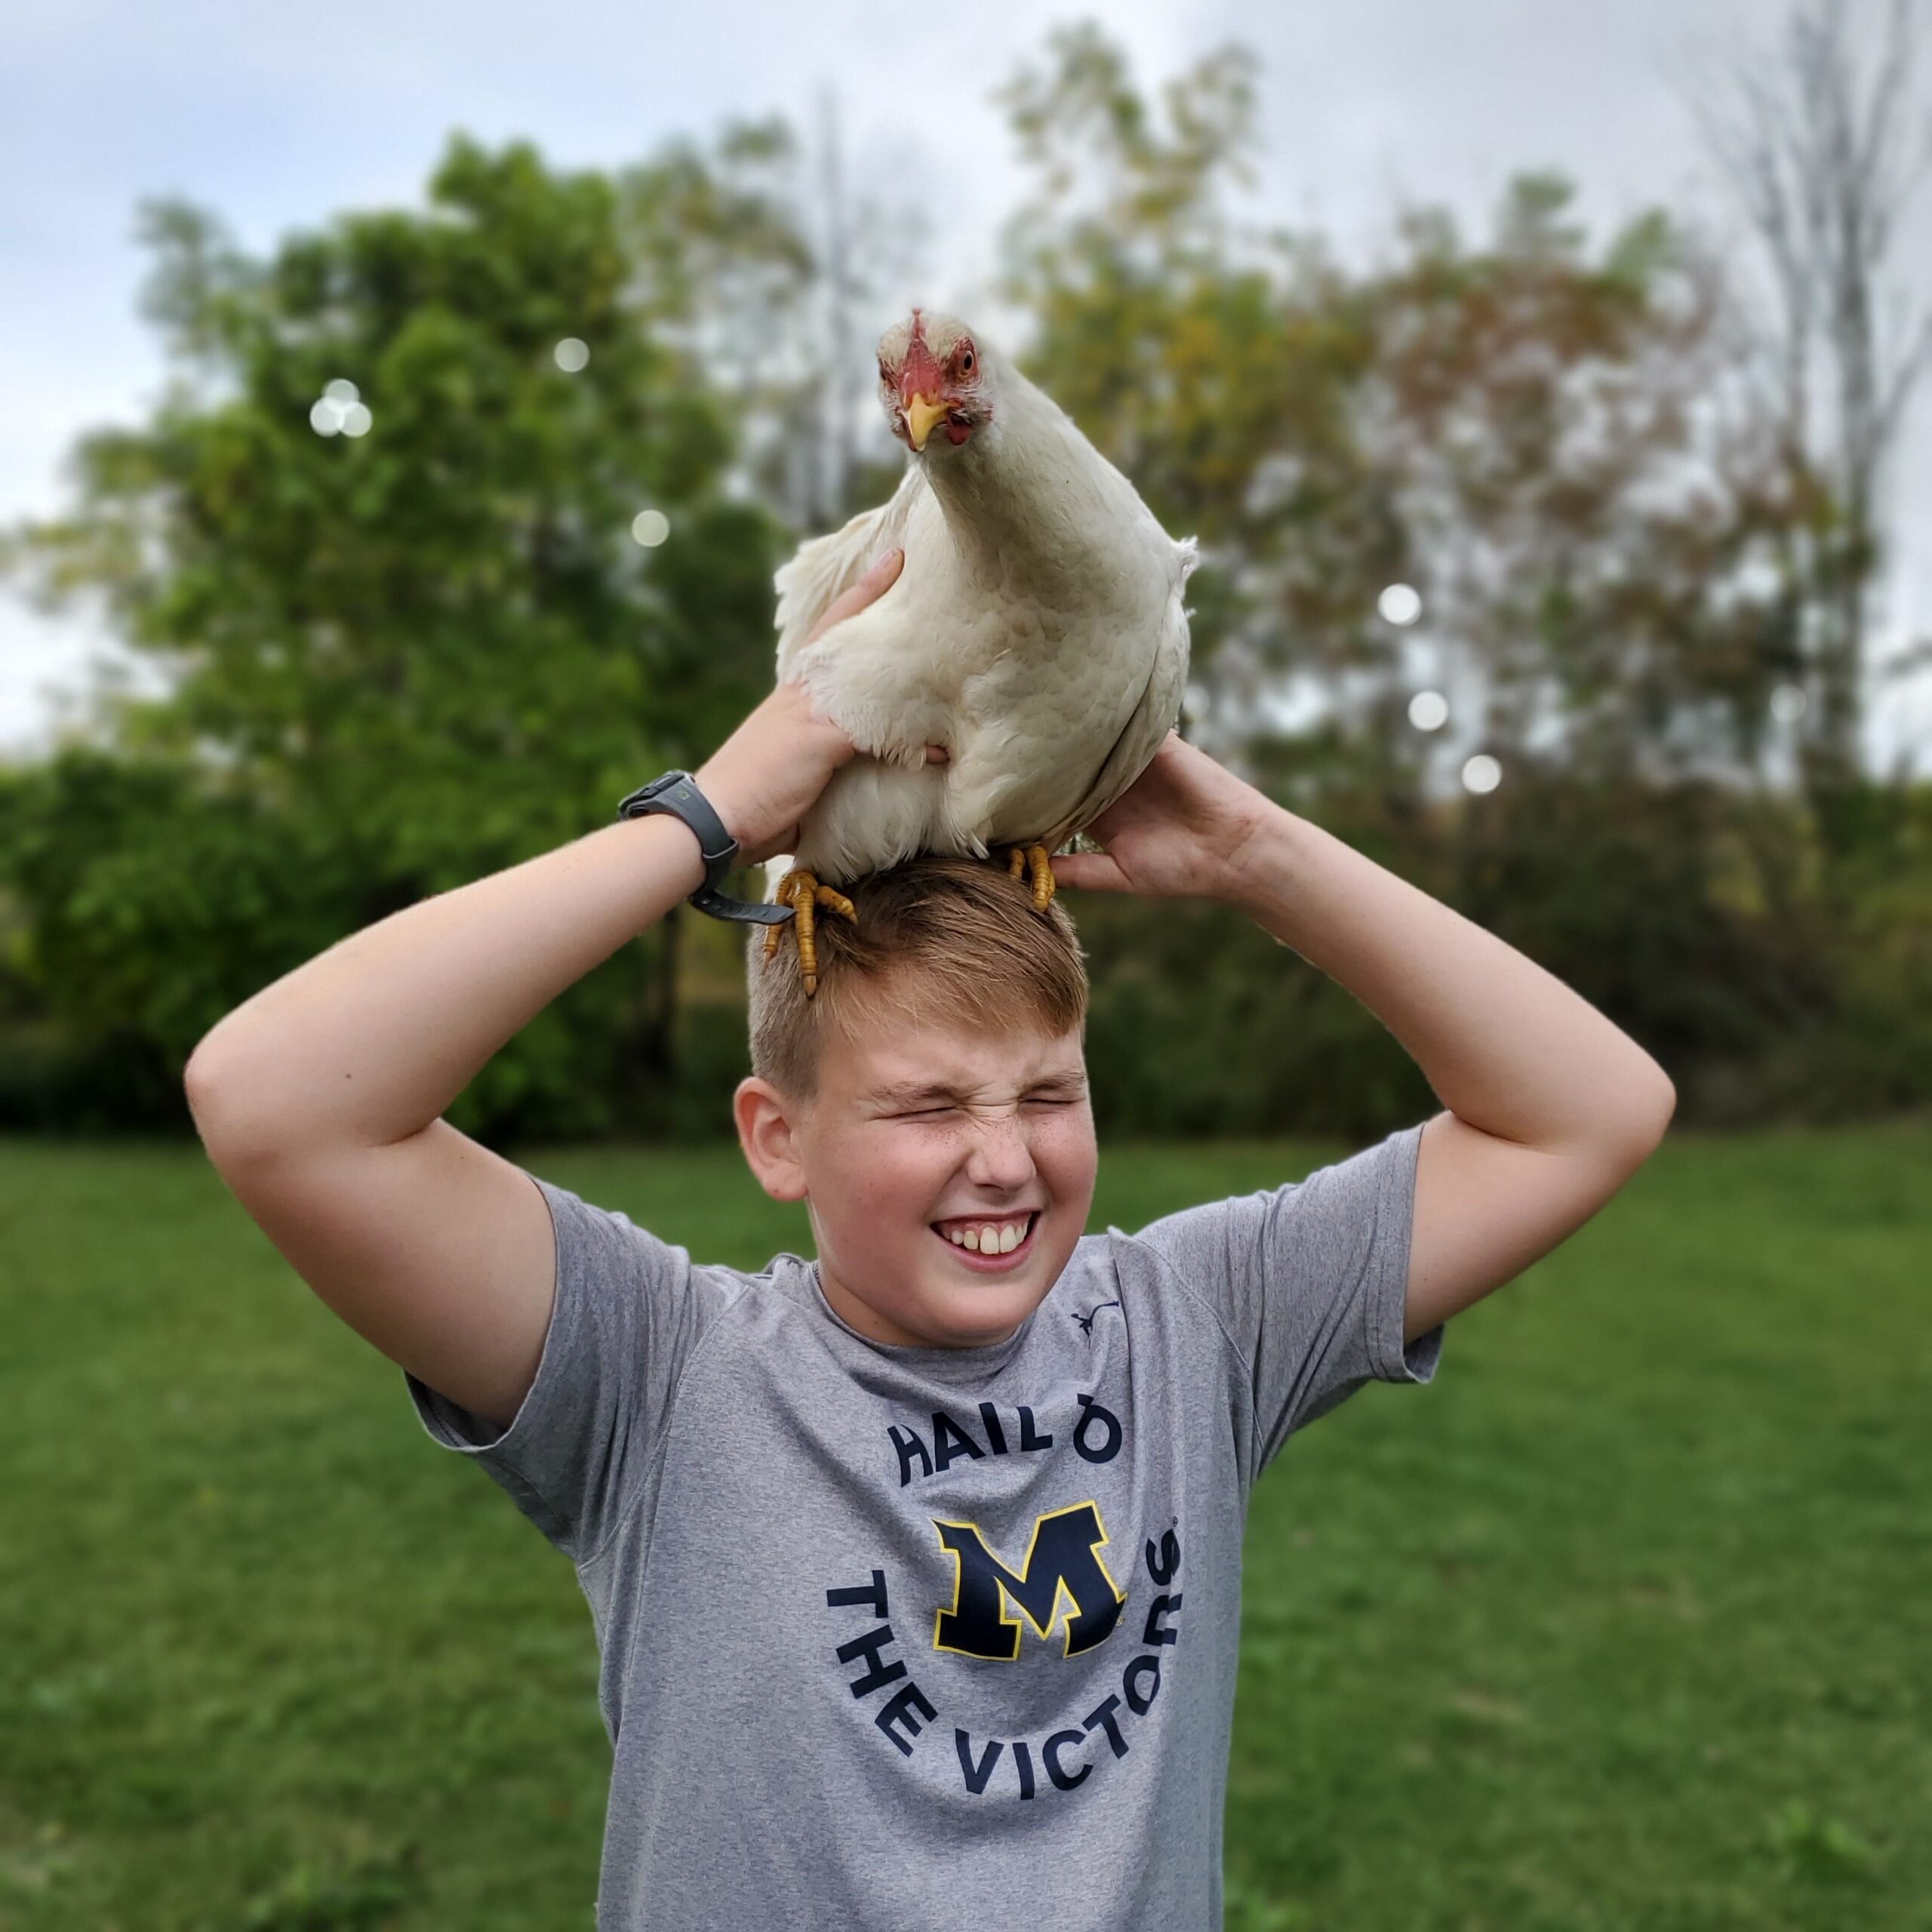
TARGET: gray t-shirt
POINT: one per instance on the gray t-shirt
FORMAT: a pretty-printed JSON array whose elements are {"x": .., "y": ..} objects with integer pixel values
[{"x": 896, "y": 1638}]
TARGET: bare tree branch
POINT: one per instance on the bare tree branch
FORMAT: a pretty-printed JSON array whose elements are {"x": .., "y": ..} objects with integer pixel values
[{"x": 1821, "y": 140}]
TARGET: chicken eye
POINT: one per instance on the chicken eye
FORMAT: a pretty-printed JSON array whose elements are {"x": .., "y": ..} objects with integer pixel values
[{"x": 966, "y": 362}]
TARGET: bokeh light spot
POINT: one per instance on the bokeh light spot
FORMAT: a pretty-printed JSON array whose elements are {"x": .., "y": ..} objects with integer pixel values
[
  {"x": 1788, "y": 704},
  {"x": 571, "y": 354},
  {"x": 650, "y": 528},
  {"x": 1429, "y": 711},
  {"x": 1400, "y": 603},
  {"x": 325, "y": 418},
  {"x": 356, "y": 420},
  {"x": 1482, "y": 773},
  {"x": 341, "y": 390}
]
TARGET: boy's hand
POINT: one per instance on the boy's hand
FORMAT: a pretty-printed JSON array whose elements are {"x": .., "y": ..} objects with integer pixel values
[
  {"x": 1176, "y": 833},
  {"x": 765, "y": 777}
]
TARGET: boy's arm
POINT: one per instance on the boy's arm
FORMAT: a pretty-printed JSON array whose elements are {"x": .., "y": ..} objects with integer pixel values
[
  {"x": 1551, "y": 1108},
  {"x": 319, "y": 1099}
]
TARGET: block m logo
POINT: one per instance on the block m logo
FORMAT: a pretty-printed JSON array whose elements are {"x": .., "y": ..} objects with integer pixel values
[{"x": 1061, "y": 1560}]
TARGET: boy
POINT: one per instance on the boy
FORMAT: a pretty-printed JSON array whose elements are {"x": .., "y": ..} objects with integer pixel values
[{"x": 916, "y": 1571}]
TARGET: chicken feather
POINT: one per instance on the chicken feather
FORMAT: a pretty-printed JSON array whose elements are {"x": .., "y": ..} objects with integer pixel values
[{"x": 1037, "y": 631}]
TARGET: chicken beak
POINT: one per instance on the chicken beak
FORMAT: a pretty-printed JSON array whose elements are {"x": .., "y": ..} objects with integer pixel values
[{"x": 922, "y": 413}]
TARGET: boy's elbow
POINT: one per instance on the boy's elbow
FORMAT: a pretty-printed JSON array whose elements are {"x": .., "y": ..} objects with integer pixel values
[
  {"x": 198, "y": 1076},
  {"x": 228, "y": 1109},
  {"x": 194, "y": 1084},
  {"x": 199, "y": 1083},
  {"x": 1644, "y": 1113}
]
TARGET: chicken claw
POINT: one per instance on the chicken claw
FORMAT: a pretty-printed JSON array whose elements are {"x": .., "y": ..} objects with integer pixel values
[
  {"x": 801, "y": 891},
  {"x": 1034, "y": 859}
]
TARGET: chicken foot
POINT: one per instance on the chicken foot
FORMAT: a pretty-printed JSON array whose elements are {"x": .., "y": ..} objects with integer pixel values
[
  {"x": 801, "y": 891},
  {"x": 1034, "y": 861}
]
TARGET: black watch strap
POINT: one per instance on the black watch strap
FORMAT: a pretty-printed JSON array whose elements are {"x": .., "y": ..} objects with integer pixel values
[{"x": 676, "y": 795}]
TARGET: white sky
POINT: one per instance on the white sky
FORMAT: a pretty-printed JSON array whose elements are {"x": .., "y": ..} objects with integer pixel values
[{"x": 279, "y": 116}]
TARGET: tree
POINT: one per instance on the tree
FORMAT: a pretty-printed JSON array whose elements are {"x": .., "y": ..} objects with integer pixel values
[
  {"x": 436, "y": 640},
  {"x": 1597, "y": 536},
  {"x": 404, "y": 658},
  {"x": 1824, "y": 147},
  {"x": 1532, "y": 428},
  {"x": 1520, "y": 428},
  {"x": 1214, "y": 363},
  {"x": 754, "y": 255}
]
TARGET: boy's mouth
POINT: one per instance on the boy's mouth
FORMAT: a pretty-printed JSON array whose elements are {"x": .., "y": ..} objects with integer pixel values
[{"x": 989, "y": 1242}]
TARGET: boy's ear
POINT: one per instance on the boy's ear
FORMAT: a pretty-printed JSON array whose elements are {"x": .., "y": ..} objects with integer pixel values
[{"x": 765, "y": 1132}]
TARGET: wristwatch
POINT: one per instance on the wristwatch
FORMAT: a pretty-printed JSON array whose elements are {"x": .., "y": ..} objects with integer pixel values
[{"x": 676, "y": 795}]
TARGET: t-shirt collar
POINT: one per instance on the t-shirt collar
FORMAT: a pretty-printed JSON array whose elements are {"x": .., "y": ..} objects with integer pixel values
[{"x": 960, "y": 1365}]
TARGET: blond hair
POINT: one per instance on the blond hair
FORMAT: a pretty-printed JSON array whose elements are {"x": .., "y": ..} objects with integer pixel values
[{"x": 935, "y": 936}]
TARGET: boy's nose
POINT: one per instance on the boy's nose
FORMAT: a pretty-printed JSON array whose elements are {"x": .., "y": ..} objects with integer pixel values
[{"x": 1001, "y": 1157}]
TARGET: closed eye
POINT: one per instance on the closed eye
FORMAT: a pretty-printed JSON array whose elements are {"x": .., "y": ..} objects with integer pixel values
[
  {"x": 940, "y": 1109},
  {"x": 950, "y": 1113}
]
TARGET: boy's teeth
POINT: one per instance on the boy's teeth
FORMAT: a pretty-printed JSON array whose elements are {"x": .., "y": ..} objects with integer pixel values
[{"x": 992, "y": 1238}]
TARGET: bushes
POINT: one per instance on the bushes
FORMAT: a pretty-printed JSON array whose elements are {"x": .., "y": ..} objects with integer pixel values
[
  {"x": 1708, "y": 923},
  {"x": 136, "y": 907}
]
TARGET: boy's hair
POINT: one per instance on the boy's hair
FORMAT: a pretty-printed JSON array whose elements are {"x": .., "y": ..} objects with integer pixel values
[{"x": 956, "y": 938}]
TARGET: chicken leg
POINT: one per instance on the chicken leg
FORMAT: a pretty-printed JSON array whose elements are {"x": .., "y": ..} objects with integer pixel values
[
  {"x": 1034, "y": 861},
  {"x": 801, "y": 891}
]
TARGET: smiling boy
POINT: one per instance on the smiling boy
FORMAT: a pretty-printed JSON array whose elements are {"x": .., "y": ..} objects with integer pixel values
[{"x": 915, "y": 1569}]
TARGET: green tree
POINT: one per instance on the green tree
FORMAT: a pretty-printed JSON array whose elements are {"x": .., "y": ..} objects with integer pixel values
[{"x": 405, "y": 657}]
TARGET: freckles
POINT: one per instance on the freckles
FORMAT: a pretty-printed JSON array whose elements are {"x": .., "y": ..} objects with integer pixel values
[
  {"x": 898, "y": 1173},
  {"x": 1066, "y": 1149},
  {"x": 928, "y": 1167}
]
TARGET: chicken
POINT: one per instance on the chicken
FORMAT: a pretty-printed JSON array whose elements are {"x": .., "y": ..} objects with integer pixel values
[{"x": 1036, "y": 632}]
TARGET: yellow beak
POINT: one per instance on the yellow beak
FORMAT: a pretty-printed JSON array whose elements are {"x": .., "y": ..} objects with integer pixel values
[{"x": 922, "y": 413}]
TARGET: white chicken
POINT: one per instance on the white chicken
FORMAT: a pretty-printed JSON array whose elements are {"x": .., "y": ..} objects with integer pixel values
[{"x": 1036, "y": 632}]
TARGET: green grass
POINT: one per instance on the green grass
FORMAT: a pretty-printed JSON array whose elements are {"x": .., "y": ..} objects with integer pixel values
[{"x": 1625, "y": 1622}]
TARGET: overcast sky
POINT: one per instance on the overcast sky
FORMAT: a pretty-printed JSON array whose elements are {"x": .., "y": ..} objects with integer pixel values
[{"x": 278, "y": 116}]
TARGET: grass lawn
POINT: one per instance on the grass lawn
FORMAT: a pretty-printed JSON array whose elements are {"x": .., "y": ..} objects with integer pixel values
[{"x": 1625, "y": 1622}]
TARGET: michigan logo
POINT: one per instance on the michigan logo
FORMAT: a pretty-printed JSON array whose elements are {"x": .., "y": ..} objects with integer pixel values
[{"x": 1061, "y": 1575}]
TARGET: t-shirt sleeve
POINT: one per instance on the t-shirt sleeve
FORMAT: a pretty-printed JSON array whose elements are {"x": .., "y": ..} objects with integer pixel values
[
  {"x": 1309, "y": 1281},
  {"x": 628, "y": 1312}
]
